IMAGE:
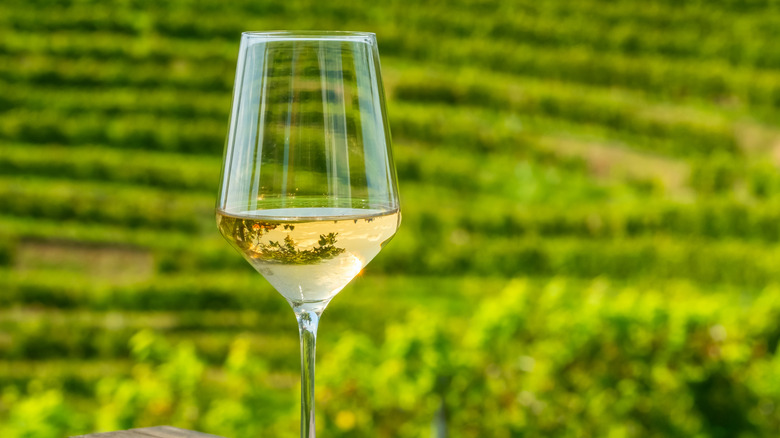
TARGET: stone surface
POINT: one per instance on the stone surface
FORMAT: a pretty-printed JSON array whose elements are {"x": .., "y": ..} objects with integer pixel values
[{"x": 150, "y": 432}]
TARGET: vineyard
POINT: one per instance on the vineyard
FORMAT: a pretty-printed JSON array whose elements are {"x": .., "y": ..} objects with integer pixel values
[{"x": 590, "y": 241}]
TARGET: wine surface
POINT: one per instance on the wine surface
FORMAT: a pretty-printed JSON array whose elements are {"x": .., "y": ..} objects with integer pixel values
[{"x": 309, "y": 254}]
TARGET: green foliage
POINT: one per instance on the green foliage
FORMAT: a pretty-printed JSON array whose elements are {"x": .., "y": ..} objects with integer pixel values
[
  {"x": 589, "y": 242},
  {"x": 246, "y": 235},
  {"x": 41, "y": 412},
  {"x": 288, "y": 253},
  {"x": 538, "y": 358},
  {"x": 96, "y": 164},
  {"x": 559, "y": 359},
  {"x": 170, "y": 384},
  {"x": 675, "y": 137},
  {"x": 6, "y": 250},
  {"x": 717, "y": 175},
  {"x": 131, "y": 207}
]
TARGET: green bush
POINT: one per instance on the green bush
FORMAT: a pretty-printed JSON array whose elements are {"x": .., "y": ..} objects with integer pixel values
[
  {"x": 557, "y": 359},
  {"x": 536, "y": 359}
]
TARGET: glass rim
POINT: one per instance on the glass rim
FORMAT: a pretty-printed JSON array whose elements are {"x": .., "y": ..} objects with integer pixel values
[{"x": 311, "y": 35}]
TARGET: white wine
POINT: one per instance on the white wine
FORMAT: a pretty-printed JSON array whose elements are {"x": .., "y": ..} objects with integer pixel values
[{"x": 309, "y": 254}]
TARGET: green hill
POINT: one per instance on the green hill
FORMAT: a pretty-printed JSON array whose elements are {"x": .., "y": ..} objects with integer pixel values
[{"x": 591, "y": 224}]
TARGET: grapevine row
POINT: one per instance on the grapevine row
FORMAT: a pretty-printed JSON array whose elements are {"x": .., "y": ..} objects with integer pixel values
[{"x": 544, "y": 26}]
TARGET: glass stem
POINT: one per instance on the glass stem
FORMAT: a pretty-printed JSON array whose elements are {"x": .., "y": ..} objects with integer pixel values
[{"x": 308, "y": 321}]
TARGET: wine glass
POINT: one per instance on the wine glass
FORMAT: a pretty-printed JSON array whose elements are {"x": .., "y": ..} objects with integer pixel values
[{"x": 308, "y": 191}]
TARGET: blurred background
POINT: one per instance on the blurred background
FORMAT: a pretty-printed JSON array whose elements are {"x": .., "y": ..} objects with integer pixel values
[{"x": 591, "y": 228}]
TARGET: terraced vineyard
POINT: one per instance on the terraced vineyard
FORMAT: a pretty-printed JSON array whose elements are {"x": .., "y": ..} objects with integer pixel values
[{"x": 591, "y": 229}]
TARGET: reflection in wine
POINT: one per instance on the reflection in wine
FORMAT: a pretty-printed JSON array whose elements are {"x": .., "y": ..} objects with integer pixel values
[{"x": 311, "y": 254}]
